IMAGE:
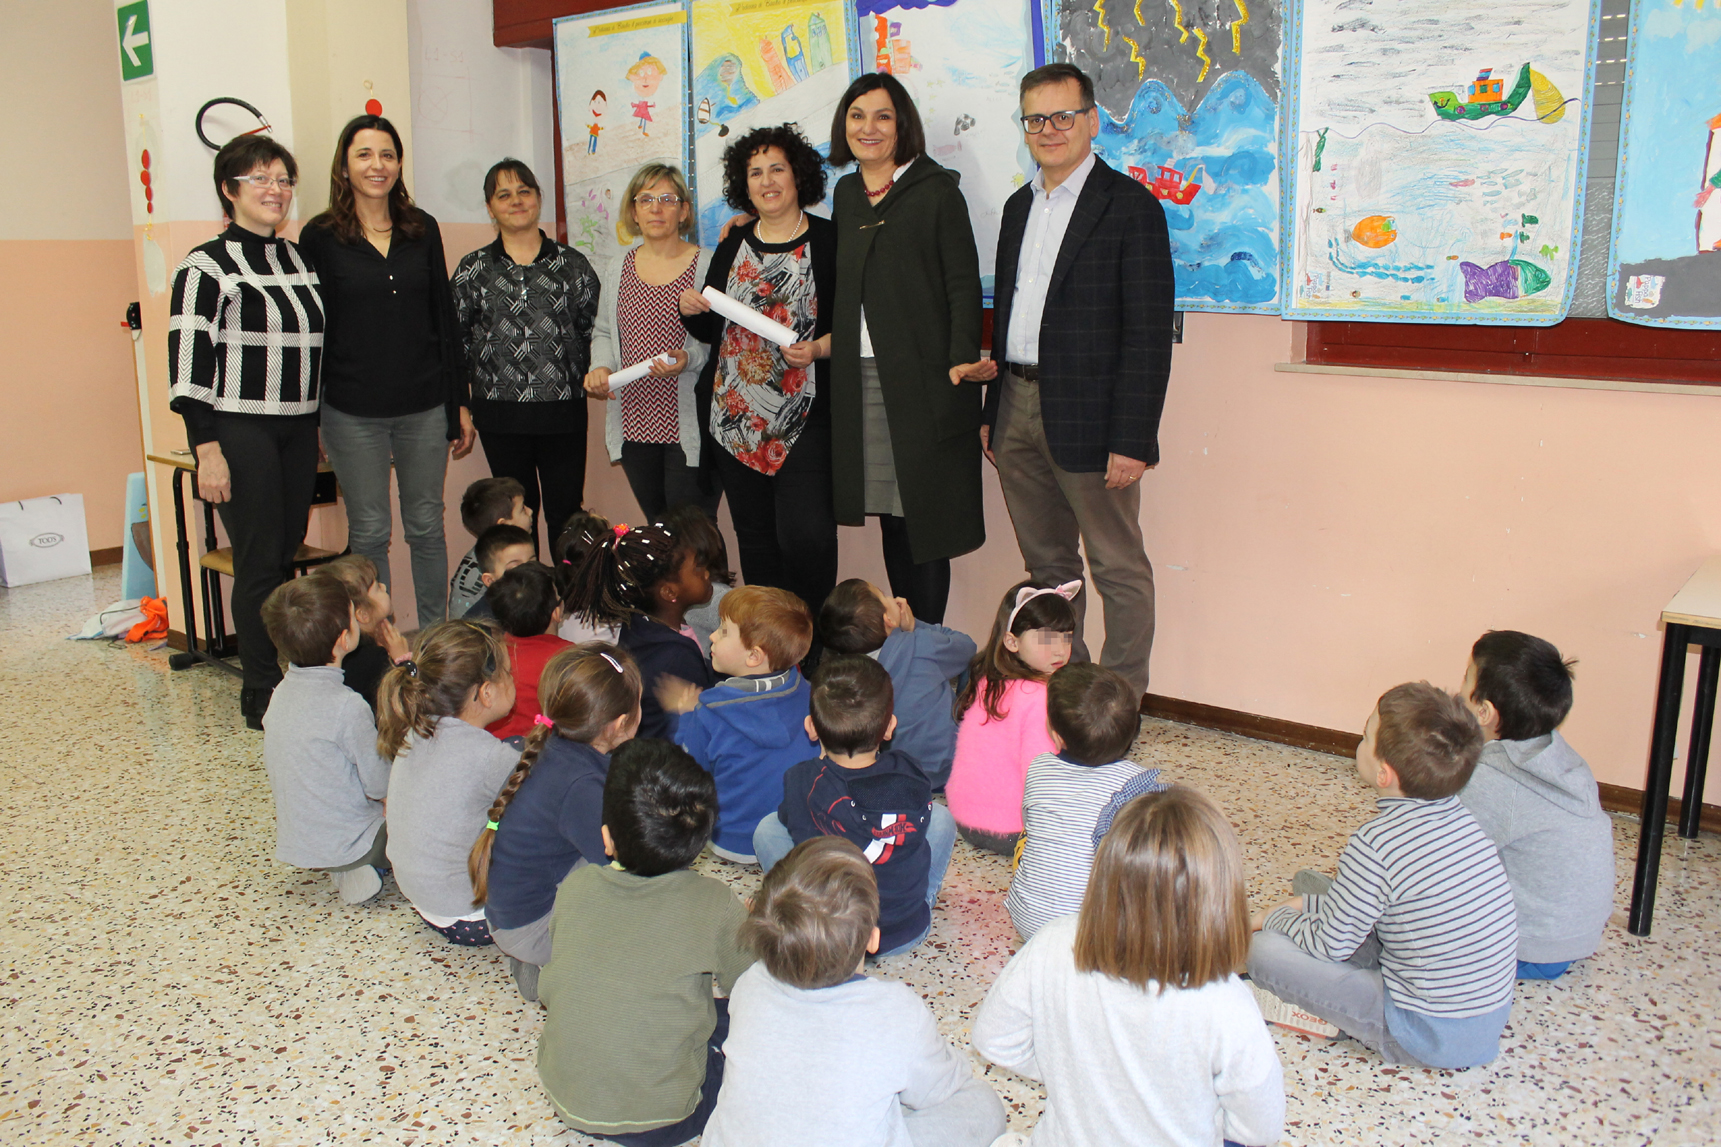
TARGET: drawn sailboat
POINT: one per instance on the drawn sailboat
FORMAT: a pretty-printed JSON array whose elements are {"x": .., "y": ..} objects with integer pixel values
[
  {"x": 1486, "y": 96},
  {"x": 1170, "y": 183}
]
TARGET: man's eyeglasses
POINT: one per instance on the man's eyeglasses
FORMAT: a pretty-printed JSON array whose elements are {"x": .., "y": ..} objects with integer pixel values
[
  {"x": 1062, "y": 121},
  {"x": 265, "y": 182},
  {"x": 647, "y": 202}
]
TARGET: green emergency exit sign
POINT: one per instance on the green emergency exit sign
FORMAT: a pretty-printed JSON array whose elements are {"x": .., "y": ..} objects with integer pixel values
[{"x": 136, "y": 58}]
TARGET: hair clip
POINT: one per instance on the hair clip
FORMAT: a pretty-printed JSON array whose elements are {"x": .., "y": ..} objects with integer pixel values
[
  {"x": 614, "y": 664},
  {"x": 540, "y": 719},
  {"x": 492, "y": 826},
  {"x": 1028, "y": 593},
  {"x": 410, "y": 666},
  {"x": 622, "y": 529}
]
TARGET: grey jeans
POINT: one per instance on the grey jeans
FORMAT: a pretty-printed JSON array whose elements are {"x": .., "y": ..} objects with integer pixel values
[
  {"x": 362, "y": 451},
  {"x": 1350, "y": 994},
  {"x": 529, "y": 943},
  {"x": 973, "y": 1117}
]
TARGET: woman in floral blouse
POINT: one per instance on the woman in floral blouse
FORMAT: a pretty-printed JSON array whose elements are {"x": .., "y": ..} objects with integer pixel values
[
  {"x": 770, "y": 412},
  {"x": 526, "y": 305}
]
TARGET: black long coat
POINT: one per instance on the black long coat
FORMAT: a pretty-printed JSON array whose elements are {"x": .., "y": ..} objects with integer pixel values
[{"x": 911, "y": 259}]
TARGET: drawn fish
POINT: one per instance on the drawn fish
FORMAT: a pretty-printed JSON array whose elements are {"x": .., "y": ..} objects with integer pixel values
[{"x": 1507, "y": 279}]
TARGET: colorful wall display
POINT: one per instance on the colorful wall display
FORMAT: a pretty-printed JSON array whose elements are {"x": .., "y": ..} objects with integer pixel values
[
  {"x": 1437, "y": 152},
  {"x": 621, "y": 88},
  {"x": 757, "y": 63},
  {"x": 1666, "y": 253},
  {"x": 961, "y": 61},
  {"x": 1190, "y": 101}
]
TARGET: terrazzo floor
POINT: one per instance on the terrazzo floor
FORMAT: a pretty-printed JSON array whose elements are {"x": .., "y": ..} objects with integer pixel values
[{"x": 164, "y": 980}]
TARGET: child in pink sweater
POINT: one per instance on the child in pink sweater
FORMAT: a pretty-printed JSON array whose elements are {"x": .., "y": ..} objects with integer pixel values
[{"x": 1003, "y": 713}]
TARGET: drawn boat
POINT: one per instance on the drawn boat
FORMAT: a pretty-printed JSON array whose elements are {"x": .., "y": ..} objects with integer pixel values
[
  {"x": 1169, "y": 183},
  {"x": 1486, "y": 96}
]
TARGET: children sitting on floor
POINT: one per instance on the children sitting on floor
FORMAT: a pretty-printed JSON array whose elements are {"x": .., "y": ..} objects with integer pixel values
[
  {"x": 1094, "y": 716},
  {"x": 923, "y": 660},
  {"x": 583, "y": 531},
  {"x": 431, "y": 713},
  {"x": 319, "y": 743},
  {"x": 529, "y": 610},
  {"x": 747, "y": 729},
  {"x": 499, "y": 549},
  {"x": 547, "y": 819},
  {"x": 877, "y": 798},
  {"x": 1536, "y": 799},
  {"x": 380, "y": 643},
  {"x": 631, "y": 1045},
  {"x": 1412, "y": 948},
  {"x": 1003, "y": 713},
  {"x": 1132, "y": 1012},
  {"x": 692, "y": 527},
  {"x": 487, "y": 502},
  {"x": 799, "y": 1068},
  {"x": 641, "y": 580}
]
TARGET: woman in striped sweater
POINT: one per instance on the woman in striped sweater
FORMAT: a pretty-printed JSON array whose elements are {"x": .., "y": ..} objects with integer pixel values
[{"x": 243, "y": 346}]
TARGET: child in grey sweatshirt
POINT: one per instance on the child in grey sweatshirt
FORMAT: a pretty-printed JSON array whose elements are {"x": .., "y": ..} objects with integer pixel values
[{"x": 1536, "y": 799}]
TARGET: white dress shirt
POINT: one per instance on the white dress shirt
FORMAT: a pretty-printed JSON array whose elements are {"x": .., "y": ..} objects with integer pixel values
[
  {"x": 866, "y": 333},
  {"x": 1048, "y": 219}
]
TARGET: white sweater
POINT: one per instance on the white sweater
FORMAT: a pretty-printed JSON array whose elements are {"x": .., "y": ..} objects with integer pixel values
[{"x": 1123, "y": 1065}]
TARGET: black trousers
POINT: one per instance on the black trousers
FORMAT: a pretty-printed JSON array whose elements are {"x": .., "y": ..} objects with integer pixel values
[
  {"x": 273, "y": 464},
  {"x": 785, "y": 523},
  {"x": 660, "y": 478},
  {"x": 552, "y": 468},
  {"x": 924, "y": 585}
]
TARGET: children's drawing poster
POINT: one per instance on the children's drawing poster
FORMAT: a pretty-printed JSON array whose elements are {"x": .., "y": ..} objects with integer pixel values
[
  {"x": 1666, "y": 252},
  {"x": 621, "y": 91},
  {"x": 758, "y": 63},
  {"x": 961, "y": 60},
  {"x": 1437, "y": 152},
  {"x": 1189, "y": 95}
]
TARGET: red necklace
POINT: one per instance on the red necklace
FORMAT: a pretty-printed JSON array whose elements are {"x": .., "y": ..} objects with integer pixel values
[{"x": 875, "y": 194}]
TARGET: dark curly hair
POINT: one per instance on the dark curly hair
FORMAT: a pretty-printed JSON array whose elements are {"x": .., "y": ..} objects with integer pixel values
[{"x": 804, "y": 160}]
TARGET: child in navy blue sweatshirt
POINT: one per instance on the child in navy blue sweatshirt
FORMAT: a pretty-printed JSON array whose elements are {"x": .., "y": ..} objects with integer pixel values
[
  {"x": 878, "y": 798},
  {"x": 922, "y": 659},
  {"x": 748, "y": 728},
  {"x": 643, "y": 580},
  {"x": 547, "y": 820}
]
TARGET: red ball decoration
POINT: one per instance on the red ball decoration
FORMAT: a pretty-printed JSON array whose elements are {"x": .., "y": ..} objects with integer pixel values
[
  {"x": 146, "y": 157},
  {"x": 373, "y": 107}
]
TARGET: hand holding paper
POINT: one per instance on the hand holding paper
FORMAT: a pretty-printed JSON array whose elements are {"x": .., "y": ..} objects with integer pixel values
[
  {"x": 636, "y": 372},
  {"x": 743, "y": 315}
]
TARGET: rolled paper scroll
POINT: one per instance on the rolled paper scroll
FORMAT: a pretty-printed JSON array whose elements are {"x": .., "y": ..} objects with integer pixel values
[
  {"x": 637, "y": 371},
  {"x": 743, "y": 315}
]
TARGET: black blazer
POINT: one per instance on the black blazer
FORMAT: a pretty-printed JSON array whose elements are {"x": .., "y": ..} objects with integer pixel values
[{"x": 1105, "y": 333}]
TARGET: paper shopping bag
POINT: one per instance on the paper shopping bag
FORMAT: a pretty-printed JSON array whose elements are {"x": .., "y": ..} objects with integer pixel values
[{"x": 42, "y": 539}]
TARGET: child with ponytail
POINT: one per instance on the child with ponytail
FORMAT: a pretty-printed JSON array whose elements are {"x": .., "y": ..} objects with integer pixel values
[
  {"x": 548, "y": 818},
  {"x": 1002, "y": 712},
  {"x": 643, "y": 580},
  {"x": 431, "y": 713},
  {"x": 584, "y": 530}
]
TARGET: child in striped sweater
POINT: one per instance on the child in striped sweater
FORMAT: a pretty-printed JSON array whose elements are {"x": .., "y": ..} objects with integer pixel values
[{"x": 1412, "y": 948}]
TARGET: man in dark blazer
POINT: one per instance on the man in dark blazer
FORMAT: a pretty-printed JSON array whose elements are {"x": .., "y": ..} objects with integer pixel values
[{"x": 1081, "y": 337}]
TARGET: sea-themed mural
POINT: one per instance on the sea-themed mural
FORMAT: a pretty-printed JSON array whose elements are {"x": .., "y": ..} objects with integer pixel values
[
  {"x": 758, "y": 63},
  {"x": 621, "y": 91},
  {"x": 1435, "y": 156},
  {"x": 961, "y": 60},
  {"x": 1666, "y": 253},
  {"x": 1189, "y": 94}
]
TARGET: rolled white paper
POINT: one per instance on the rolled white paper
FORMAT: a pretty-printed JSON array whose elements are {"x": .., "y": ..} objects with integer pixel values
[
  {"x": 746, "y": 316},
  {"x": 637, "y": 371}
]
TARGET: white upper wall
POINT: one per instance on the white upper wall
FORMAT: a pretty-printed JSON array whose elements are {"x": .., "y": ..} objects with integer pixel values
[
  {"x": 59, "y": 80},
  {"x": 473, "y": 103}
]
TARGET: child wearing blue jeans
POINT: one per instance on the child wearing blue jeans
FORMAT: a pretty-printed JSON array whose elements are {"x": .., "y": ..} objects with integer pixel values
[{"x": 878, "y": 798}]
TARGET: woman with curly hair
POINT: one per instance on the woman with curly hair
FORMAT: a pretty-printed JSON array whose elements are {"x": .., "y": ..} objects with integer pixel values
[{"x": 770, "y": 410}]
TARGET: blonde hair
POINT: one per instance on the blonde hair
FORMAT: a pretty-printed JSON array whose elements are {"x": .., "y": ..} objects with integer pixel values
[
  {"x": 357, "y": 573},
  {"x": 1166, "y": 902},
  {"x": 644, "y": 178},
  {"x": 449, "y": 660}
]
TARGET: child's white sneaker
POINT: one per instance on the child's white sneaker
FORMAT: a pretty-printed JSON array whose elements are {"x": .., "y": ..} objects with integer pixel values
[
  {"x": 1289, "y": 1015},
  {"x": 356, "y": 885}
]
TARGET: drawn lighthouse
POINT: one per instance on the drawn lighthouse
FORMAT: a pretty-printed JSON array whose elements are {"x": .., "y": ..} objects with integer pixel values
[{"x": 1709, "y": 198}]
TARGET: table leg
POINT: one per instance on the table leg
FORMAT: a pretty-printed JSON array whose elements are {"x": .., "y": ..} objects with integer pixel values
[
  {"x": 1659, "y": 778},
  {"x": 183, "y": 543},
  {"x": 1697, "y": 759}
]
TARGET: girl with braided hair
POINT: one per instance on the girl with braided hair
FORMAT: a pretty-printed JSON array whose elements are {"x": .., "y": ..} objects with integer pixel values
[
  {"x": 430, "y": 715},
  {"x": 643, "y": 580},
  {"x": 548, "y": 818}
]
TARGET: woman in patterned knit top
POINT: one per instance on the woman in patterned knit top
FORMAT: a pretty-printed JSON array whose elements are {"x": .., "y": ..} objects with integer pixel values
[
  {"x": 650, "y": 427},
  {"x": 526, "y": 305},
  {"x": 770, "y": 407},
  {"x": 243, "y": 345}
]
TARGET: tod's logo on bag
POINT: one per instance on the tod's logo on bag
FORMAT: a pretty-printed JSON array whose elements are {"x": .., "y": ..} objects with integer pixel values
[{"x": 47, "y": 541}]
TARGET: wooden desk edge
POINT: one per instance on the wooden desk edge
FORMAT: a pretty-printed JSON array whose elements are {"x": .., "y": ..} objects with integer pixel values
[
  {"x": 177, "y": 463},
  {"x": 1698, "y": 601}
]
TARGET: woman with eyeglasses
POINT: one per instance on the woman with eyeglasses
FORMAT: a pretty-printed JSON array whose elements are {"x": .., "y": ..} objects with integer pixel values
[
  {"x": 394, "y": 379},
  {"x": 905, "y": 444},
  {"x": 650, "y": 425},
  {"x": 243, "y": 347},
  {"x": 526, "y": 305}
]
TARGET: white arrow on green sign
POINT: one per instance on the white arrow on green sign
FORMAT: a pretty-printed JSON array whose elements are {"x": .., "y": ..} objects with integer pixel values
[{"x": 136, "y": 59}]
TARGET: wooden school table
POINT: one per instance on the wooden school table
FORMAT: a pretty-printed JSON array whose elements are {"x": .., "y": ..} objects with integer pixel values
[{"x": 1693, "y": 617}]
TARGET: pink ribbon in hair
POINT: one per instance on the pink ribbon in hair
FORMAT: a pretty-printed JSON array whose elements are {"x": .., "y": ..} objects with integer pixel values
[
  {"x": 621, "y": 530},
  {"x": 1027, "y": 593},
  {"x": 540, "y": 719}
]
